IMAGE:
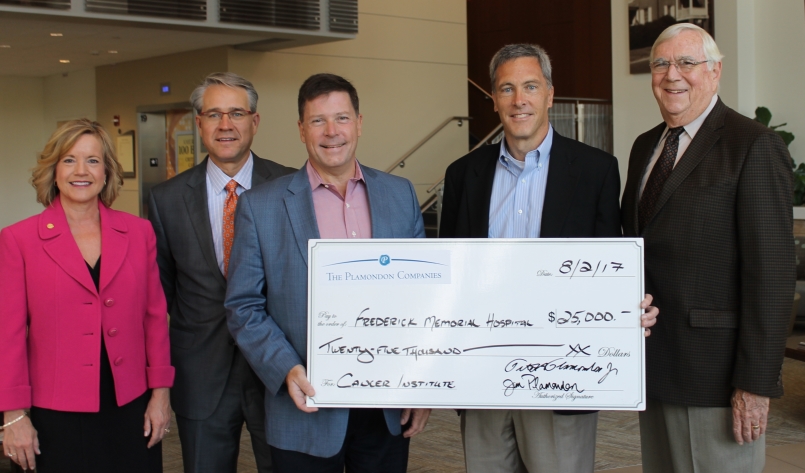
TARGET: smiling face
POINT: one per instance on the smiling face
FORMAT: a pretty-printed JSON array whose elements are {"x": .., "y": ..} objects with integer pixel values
[
  {"x": 80, "y": 173},
  {"x": 683, "y": 97},
  {"x": 522, "y": 99},
  {"x": 330, "y": 128},
  {"x": 228, "y": 142}
]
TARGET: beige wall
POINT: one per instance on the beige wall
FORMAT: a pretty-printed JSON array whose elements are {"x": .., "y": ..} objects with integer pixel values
[
  {"x": 780, "y": 65},
  {"x": 121, "y": 88},
  {"x": 31, "y": 108},
  {"x": 409, "y": 66},
  {"x": 763, "y": 43},
  {"x": 22, "y": 136},
  {"x": 69, "y": 96}
]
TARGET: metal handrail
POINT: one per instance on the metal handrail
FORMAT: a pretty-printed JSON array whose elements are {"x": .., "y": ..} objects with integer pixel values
[
  {"x": 479, "y": 87},
  {"x": 581, "y": 99},
  {"x": 399, "y": 162},
  {"x": 486, "y": 138}
]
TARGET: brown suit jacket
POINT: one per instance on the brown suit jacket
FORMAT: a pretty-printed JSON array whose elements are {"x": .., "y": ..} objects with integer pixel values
[{"x": 719, "y": 261}]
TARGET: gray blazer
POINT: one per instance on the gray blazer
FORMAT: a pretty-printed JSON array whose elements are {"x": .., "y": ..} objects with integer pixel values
[
  {"x": 266, "y": 301},
  {"x": 201, "y": 347}
]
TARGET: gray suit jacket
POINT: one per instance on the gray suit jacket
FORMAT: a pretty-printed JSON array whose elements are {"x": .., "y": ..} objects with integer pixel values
[
  {"x": 201, "y": 347},
  {"x": 266, "y": 301},
  {"x": 719, "y": 261}
]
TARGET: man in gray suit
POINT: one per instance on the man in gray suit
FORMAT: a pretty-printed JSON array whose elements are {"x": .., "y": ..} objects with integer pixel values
[
  {"x": 332, "y": 196},
  {"x": 710, "y": 191},
  {"x": 215, "y": 389}
]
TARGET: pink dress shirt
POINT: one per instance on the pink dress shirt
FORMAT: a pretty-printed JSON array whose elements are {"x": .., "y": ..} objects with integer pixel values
[{"x": 341, "y": 217}]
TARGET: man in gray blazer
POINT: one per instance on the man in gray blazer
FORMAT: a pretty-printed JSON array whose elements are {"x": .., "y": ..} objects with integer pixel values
[
  {"x": 332, "y": 196},
  {"x": 710, "y": 191},
  {"x": 215, "y": 390}
]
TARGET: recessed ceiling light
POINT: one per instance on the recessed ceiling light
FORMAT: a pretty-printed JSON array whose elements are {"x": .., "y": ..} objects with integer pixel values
[
  {"x": 56, "y": 34},
  {"x": 5, "y": 46},
  {"x": 64, "y": 61},
  {"x": 112, "y": 51}
]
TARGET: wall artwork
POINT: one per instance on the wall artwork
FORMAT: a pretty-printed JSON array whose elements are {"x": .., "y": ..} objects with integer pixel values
[
  {"x": 648, "y": 18},
  {"x": 124, "y": 145}
]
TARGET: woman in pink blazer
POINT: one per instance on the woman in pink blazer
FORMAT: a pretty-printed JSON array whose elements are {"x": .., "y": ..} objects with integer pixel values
[{"x": 84, "y": 347}]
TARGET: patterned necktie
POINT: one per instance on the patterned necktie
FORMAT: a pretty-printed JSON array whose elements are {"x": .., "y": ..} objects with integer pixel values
[
  {"x": 656, "y": 181},
  {"x": 230, "y": 204}
]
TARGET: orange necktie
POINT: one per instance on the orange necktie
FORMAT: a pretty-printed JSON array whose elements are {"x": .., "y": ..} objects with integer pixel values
[{"x": 230, "y": 205}]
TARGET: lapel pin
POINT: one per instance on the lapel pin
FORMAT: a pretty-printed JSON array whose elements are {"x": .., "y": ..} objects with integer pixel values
[{"x": 50, "y": 226}]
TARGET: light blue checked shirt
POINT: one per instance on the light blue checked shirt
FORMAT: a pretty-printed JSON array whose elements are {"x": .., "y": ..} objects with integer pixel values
[
  {"x": 518, "y": 192},
  {"x": 216, "y": 197}
]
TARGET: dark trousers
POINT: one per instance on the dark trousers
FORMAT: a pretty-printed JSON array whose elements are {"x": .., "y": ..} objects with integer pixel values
[
  {"x": 368, "y": 448},
  {"x": 212, "y": 445}
]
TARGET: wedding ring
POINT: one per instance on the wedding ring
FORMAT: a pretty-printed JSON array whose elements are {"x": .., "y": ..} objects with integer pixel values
[
  {"x": 10, "y": 455},
  {"x": 167, "y": 430},
  {"x": 755, "y": 427}
]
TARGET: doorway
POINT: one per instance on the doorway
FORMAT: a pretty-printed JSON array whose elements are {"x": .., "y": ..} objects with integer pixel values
[{"x": 168, "y": 145}]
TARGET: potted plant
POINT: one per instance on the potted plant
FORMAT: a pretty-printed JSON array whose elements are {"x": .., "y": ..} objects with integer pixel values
[{"x": 763, "y": 115}]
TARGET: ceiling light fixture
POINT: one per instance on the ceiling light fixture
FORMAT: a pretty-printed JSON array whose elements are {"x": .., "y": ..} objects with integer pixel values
[
  {"x": 112, "y": 51},
  {"x": 5, "y": 46},
  {"x": 64, "y": 61},
  {"x": 56, "y": 34}
]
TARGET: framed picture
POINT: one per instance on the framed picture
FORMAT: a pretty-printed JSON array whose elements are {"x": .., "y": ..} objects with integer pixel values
[
  {"x": 125, "y": 153},
  {"x": 648, "y": 18}
]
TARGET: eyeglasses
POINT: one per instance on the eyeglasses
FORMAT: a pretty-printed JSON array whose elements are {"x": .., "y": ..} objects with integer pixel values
[
  {"x": 661, "y": 66},
  {"x": 235, "y": 115}
]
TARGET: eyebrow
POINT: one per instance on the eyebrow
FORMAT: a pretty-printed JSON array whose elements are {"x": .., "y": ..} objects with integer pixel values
[
  {"x": 231, "y": 109},
  {"x": 678, "y": 58}
]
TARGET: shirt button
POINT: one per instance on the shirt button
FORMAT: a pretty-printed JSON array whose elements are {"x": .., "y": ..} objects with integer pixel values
[
  {"x": 353, "y": 233},
  {"x": 326, "y": 186},
  {"x": 523, "y": 181},
  {"x": 347, "y": 205},
  {"x": 118, "y": 361},
  {"x": 112, "y": 332},
  {"x": 109, "y": 302},
  {"x": 520, "y": 211}
]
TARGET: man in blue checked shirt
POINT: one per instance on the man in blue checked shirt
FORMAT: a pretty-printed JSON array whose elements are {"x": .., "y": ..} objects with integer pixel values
[{"x": 535, "y": 183}]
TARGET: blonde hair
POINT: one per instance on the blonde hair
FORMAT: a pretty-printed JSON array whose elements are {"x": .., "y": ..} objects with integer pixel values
[{"x": 43, "y": 176}]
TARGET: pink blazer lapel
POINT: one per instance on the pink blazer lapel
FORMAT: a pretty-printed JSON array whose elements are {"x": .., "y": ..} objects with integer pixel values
[
  {"x": 114, "y": 244},
  {"x": 62, "y": 248},
  {"x": 60, "y": 245}
]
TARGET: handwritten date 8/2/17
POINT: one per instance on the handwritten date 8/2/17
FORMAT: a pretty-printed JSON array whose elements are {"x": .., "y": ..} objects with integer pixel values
[
  {"x": 579, "y": 316},
  {"x": 579, "y": 268}
]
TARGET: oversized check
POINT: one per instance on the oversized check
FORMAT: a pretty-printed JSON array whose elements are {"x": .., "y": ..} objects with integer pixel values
[{"x": 476, "y": 323}]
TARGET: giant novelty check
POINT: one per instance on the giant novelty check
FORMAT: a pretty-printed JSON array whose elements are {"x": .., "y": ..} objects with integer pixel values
[{"x": 469, "y": 323}]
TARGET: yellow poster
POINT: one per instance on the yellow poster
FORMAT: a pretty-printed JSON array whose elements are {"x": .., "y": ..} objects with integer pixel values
[
  {"x": 185, "y": 157},
  {"x": 125, "y": 152}
]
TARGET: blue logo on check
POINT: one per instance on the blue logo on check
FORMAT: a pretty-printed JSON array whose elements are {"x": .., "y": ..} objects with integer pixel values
[{"x": 384, "y": 260}]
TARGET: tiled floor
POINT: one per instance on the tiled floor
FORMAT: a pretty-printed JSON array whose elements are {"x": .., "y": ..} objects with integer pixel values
[{"x": 783, "y": 459}]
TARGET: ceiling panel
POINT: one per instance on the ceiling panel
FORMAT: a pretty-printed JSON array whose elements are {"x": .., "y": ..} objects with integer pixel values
[{"x": 33, "y": 52}]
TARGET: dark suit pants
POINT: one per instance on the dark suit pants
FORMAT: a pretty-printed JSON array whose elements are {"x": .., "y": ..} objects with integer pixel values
[
  {"x": 212, "y": 445},
  {"x": 368, "y": 448}
]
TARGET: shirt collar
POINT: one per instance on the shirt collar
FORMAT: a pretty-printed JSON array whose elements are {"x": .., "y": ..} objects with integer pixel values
[
  {"x": 219, "y": 179},
  {"x": 315, "y": 178},
  {"x": 693, "y": 127},
  {"x": 542, "y": 150}
]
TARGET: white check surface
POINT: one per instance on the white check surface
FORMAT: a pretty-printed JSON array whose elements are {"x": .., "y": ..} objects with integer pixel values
[{"x": 476, "y": 323}]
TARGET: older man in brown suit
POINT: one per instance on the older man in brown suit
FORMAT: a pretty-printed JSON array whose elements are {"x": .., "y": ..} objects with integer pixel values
[{"x": 710, "y": 191}]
